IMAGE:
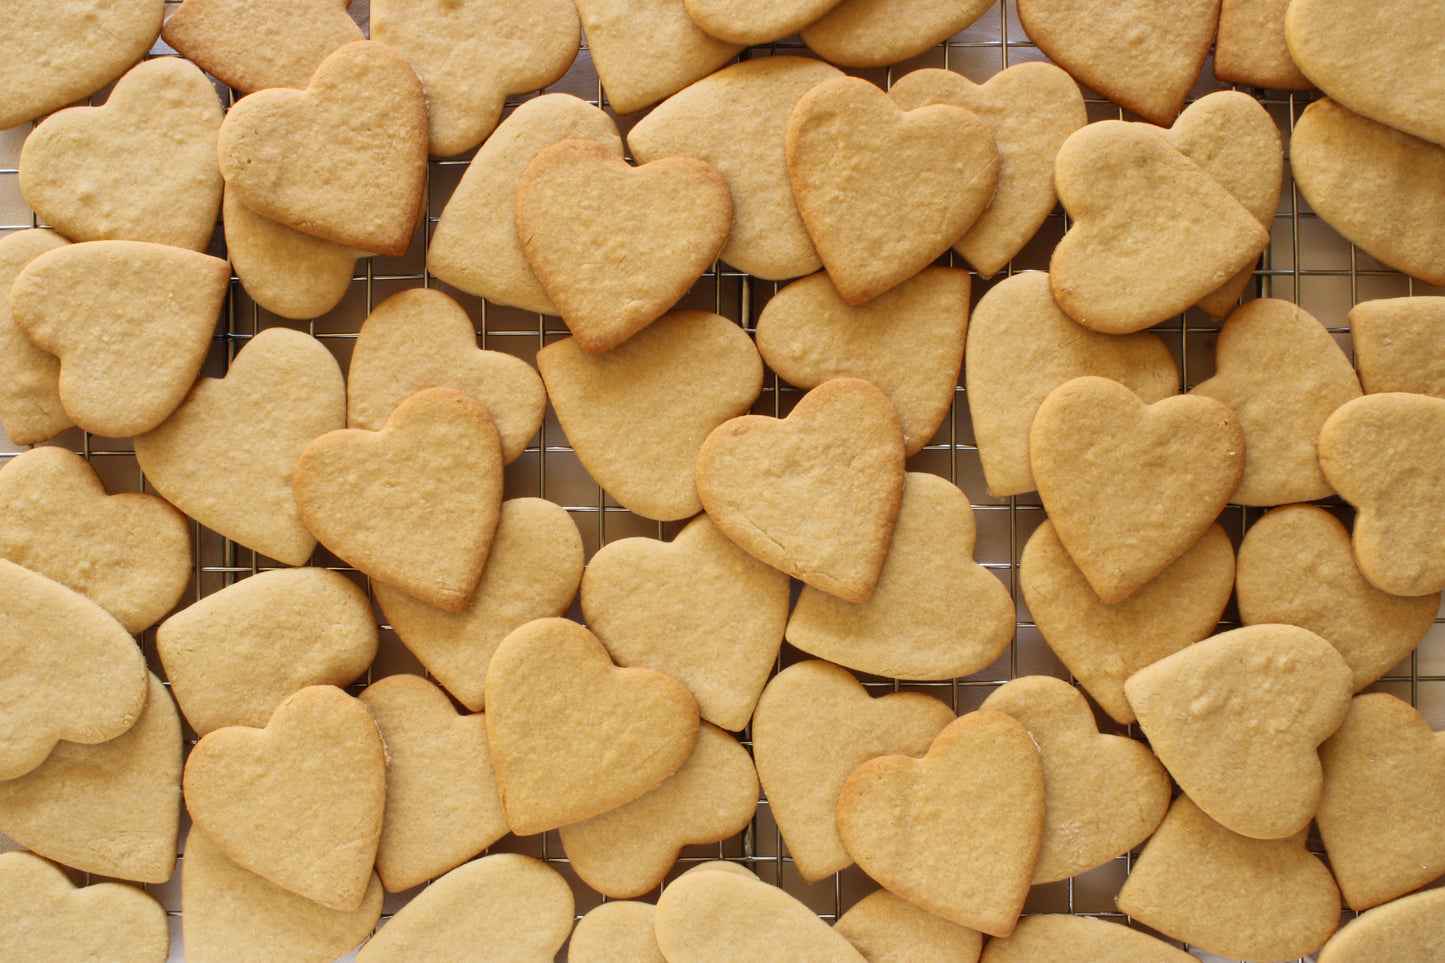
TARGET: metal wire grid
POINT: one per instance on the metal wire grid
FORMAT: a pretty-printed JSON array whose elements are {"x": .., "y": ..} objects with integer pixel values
[{"x": 1306, "y": 262}]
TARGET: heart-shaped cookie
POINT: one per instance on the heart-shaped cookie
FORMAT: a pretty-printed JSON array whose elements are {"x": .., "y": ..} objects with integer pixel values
[
  {"x": 756, "y": 21},
  {"x": 254, "y": 44},
  {"x": 935, "y": 614},
  {"x": 616, "y": 930},
  {"x": 364, "y": 110},
  {"x": 43, "y": 916},
  {"x": 298, "y": 802},
  {"x": 560, "y": 715},
  {"x": 29, "y": 378},
  {"x": 1397, "y": 344},
  {"x": 886, "y": 929},
  {"x": 1236, "y": 720},
  {"x": 1058, "y": 938},
  {"x": 146, "y": 160},
  {"x": 1251, "y": 48},
  {"x": 1409, "y": 928},
  {"x": 698, "y": 608},
  {"x": 228, "y": 454},
  {"x": 616, "y": 246},
  {"x": 649, "y": 465},
  {"x": 877, "y": 33},
  {"x": 1129, "y": 486},
  {"x": 957, "y": 832},
  {"x": 884, "y": 192},
  {"x": 428, "y": 486},
  {"x": 285, "y": 271},
  {"x": 131, "y": 323},
  {"x": 815, "y": 494}
]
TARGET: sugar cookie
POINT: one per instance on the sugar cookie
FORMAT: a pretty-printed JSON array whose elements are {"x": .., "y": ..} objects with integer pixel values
[
  {"x": 886, "y": 929},
  {"x": 1397, "y": 344},
  {"x": 251, "y": 44},
  {"x": 43, "y": 916},
  {"x": 1251, "y": 48},
  {"x": 756, "y": 21},
  {"x": 1407, "y": 930},
  {"x": 285, "y": 271},
  {"x": 1058, "y": 938},
  {"x": 870, "y": 33},
  {"x": 618, "y": 931},
  {"x": 29, "y": 377}
]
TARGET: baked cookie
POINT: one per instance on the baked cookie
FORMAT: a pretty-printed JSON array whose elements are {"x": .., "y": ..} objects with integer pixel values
[
  {"x": 29, "y": 377},
  {"x": 1406, "y": 930},
  {"x": 251, "y": 44},
  {"x": 1251, "y": 49},
  {"x": 1397, "y": 343},
  {"x": 43, "y": 916},
  {"x": 876, "y": 33},
  {"x": 616, "y": 931},
  {"x": 285, "y": 271},
  {"x": 756, "y": 21},
  {"x": 886, "y": 929},
  {"x": 1059, "y": 938}
]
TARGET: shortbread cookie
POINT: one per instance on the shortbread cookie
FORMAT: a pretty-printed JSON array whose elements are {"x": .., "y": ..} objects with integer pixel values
[
  {"x": 43, "y": 916},
  {"x": 471, "y": 55},
  {"x": 1059, "y": 938},
  {"x": 29, "y": 378},
  {"x": 735, "y": 120},
  {"x": 1251, "y": 48},
  {"x": 876, "y": 33},
  {"x": 756, "y": 21},
  {"x": 140, "y": 168},
  {"x": 72, "y": 671},
  {"x": 883, "y": 192},
  {"x": 1129, "y": 486},
  {"x": 129, "y": 553},
  {"x": 285, "y": 271},
  {"x": 813, "y": 726},
  {"x": 54, "y": 54},
  {"x": 298, "y": 802},
  {"x": 1407, "y": 930},
  {"x": 1280, "y": 372},
  {"x": 1031, "y": 109},
  {"x": 559, "y": 716},
  {"x": 227, "y": 455},
  {"x": 618, "y": 931},
  {"x": 532, "y": 571},
  {"x": 908, "y": 341},
  {"x": 637, "y": 415},
  {"x": 1021, "y": 346},
  {"x": 816, "y": 494},
  {"x": 626, "y": 852},
  {"x": 251, "y": 44},
  {"x": 442, "y": 806},
  {"x": 1382, "y": 814},
  {"x": 364, "y": 111},
  {"x": 418, "y": 339},
  {"x": 130, "y": 322},
  {"x": 1237, "y": 718},
  {"x": 698, "y": 608},
  {"x": 112, "y": 809},
  {"x": 1228, "y": 894},
  {"x": 235, "y": 655},
  {"x": 616, "y": 246},
  {"x": 1296, "y": 567},
  {"x": 1397, "y": 343},
  {"x": 935, "y": 614},
  {"x": 427, "y": 489},
  {"x": 886, "y": 929}
]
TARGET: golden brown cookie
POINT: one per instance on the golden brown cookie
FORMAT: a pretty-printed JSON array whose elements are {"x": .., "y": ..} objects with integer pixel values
[
  {"x": 29, "y": 377},
  {"x": 251, "y": 44},
  {"x": 756, "y": 21},
  {"x": 886, "y": 929},
  {"x": 876, "y": 33},
  {"x": 1407, "y": 930},
  {"x": 43, "y": 916},
  {"x": 1057, "y": 938},
  {"x": 1397, "y": 344},
  {"x": 1251, "y": 48},
  {"x": 618, "y": 931},
  {"x": 285, "y": 271}
]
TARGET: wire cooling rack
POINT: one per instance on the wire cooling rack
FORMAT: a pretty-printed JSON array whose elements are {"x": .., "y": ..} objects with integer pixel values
[{"x": 1306, "y": 262}]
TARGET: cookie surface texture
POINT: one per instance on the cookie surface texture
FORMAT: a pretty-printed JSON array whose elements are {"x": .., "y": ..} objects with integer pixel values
[
  {"x": 29, "y": 377},
  {"x": 251, "y": 44},
  {"x": 756, "y": 21},
  {"x": 870, "y": 33},
  {"x": 46, "y": 917},
  {"x": 886, "y": 929},
  {"x": 1406, "y": 930},
  {"x": 1057, "y": 938},
  {"x": 1251, "y": 48},
  {"x": 1397, "y": 344},
  {"x": 285, "y": 271},
  {"x": 616, "y": 931}
]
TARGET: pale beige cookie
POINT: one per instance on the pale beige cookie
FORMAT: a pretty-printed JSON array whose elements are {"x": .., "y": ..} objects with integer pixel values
[
  {"x": 1058, "y": 938},
  {"x": 418, "y": 339},
  {"x": 645, "y": 50},
  {"x": 735, "y": 120},
  {"x": 908, "y": 341},
  {"x": 1256, "y": 899},
  {"x": 285, "y": 271},
  {"x": 1251, "y": 49},
  {"x": 876, "y": 33},
  {"x": 140, "y": 168},
  {"x": 112, "y": 809},
  {"x": 129, "y": 553},
  {"x": 1382, "y": 814},
  {"x": 364, "y": 115},
  {"x": 627, "y": 851},
  {"x": 1237, "y": 718},
  {"x": 721, "y": 866},
  {"x": 1021, "y": 346},
  {"x": 1385, "y": 454},
  {"x": 1143, "y": 56},
  {"x": 231, "y": 915},
  {"x": 637, "y": 415},
  {"x": 29, "y": 378},
  {"x": 1102, "y": 645},
  {"x": 251, "y": 44},
  {"x": 1296, "y": 566},
  {"x": 532, "y": 571},
  {"x": 560, "y": 715},
  {"x": 442, "y": 806},
  {"x": 883, "y": 192},
  {"x": 1031, "y": 108},
  {"x": 226, "y": 457},
  {"x": 886, "y": 929},
  {"x": 1398, "y": 344},
  {"x": 1129, "y": 486},
  {"x": 815, "y": 494},
  {"x": 1381, "y": 188},
  {"x": 298, "y": 802},
  {"x": 618, "y": 931},
  {"x": 698, "y": 608},
  {"x": 470, "y": 54},
  {"x": 957, "y": 832},
  {"x": 1280, "y": 372},
  {"x": 1407, "y": 930},
  {"x": 1153, "y": 232},
  {"x": 53, "y": 54},
  {"x": 517, "y": 907},
  {"x": 43, "y": 916},
  {"x": 72, "y": 672},
  {"x": 131, "y": 323},
  {"x": 414, "y": 505},
  {"x": 616, "y": 246},
  {"x": 235, "y": 655},
  {"x": 756, "y": 21},
  {"x": 935, "y": 614},
  {"x": 474, "y": 245}
]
